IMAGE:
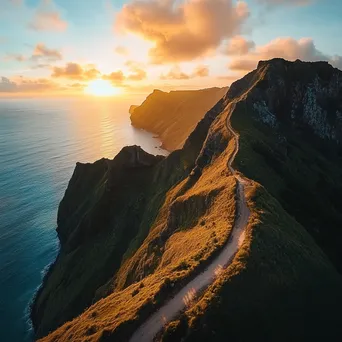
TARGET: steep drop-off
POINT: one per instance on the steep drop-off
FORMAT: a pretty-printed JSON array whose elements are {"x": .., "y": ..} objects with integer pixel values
[
  {"x": 135, "y": 234},
  {"x": 174, "y": 115},
  {"x": 290, "y": 129}
]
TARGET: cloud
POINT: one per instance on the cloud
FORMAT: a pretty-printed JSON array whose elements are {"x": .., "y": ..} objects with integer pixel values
[
  {"x": 182, "y": 31},
  {"x": 177, "y": 74},
  {"x": 238, "y": 46},
  {"x": 43, "y": 52},
  {"x": 41, "y": 55},
  {"x": 243, "y": 64},
  {"x": 41, "y": 66},
  {"x": 78, "y": 86},
  {"x": 27, "y": 85},
  {"x": 121, "y": 50},
  {"x": 201, "y": 71},
  {"x": 47, "y": 18},
  {"x": 116, "y": 77},
  {"x": 75, "y": 71},
  {"x": 336, "y": 61},
  {"x": 288, "y": 48},
  {"x": 137, "y": 72},
  {"x": 15, "y": 57},
  {"x": 6, "y": 85},
  {"x": 229, "y": 79},
  {"x": 137, "y": 75}
]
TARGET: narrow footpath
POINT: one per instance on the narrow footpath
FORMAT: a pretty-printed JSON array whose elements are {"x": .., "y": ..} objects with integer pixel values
[{"x": 187, "y": 295}]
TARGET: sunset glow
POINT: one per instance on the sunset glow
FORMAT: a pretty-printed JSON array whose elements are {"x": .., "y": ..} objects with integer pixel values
[
  {"x": 101, "y": 88},
  {"x": 133, "y": 47}
]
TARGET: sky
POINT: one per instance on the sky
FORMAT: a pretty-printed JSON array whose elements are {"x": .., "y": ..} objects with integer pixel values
[{"x": 70, "y": 47}]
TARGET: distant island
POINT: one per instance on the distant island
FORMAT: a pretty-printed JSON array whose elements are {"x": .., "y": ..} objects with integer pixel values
[{"x": 174, "y": 115}]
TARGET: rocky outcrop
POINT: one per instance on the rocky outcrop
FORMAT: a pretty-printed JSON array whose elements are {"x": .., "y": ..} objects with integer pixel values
[
  {"x": 132, "y": 108},
  {"x": 290, "y": 124},
  {"x": 304, "y": 94},
  {"x": 174, "y": 115}
]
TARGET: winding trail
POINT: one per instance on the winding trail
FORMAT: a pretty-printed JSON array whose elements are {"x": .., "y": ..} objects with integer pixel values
[{"x": 186, "y": 296}]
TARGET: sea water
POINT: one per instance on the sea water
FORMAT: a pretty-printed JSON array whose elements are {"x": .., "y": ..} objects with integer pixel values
[{"x": 40, "y": 142}]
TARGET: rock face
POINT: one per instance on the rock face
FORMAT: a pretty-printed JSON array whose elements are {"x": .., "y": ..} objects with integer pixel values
[
  {"x": 97, "y": 219},
  {"x": 132, "y": 108},
  {"x": 174, "y": 115},
  {"x": 306, "y": 94},
  {"x": 291, "y": 127},
  {"x": 134, "y": 230}
]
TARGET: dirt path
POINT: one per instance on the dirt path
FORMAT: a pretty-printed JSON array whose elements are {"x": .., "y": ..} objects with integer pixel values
[{"x": 186, "y": 296}]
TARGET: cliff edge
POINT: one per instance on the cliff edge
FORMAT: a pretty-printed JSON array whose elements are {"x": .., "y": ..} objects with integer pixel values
[
  {"x": 135, "y": 231},
  {"x": 174, "y": 115}
]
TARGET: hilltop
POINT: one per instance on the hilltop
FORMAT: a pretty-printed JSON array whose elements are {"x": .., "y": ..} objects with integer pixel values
[
  {"x": 135, "y": 230},
  {"x": 174, "y": 115}
]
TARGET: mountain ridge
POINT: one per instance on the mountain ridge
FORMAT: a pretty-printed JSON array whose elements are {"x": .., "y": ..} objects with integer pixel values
[{"x": 191, "y": 213}]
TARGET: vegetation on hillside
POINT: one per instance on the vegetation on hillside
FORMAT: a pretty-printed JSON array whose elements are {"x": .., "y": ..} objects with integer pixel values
[
  {"x": 140, "y": 234},
  {"x": 280, "y": 287}
]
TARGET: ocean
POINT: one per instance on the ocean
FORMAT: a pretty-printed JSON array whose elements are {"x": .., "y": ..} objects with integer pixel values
[{"x": 40, "y": 142}]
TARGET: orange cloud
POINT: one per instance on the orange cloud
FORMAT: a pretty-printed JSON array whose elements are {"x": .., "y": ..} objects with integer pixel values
[
  {"x": 177, "y": 74},
  {"x": 238, "y": 46},
  {"x": 201, "y": 71},
  {"x": 28, "y": 85},
  {"x": 183, "y": 31},
  {"x": 41, "y": 51},
  {"x": 137, "y": 71},
  {"x": 75, "y": 71},
  {"x": 288, "y": 48},
  {"x": 116, "y": 77},
  {"x": 47, "y": 18}
]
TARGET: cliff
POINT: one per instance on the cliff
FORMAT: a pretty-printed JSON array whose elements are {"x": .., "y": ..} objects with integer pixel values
[
  {"x": 132, "y": 108},
  {"x": 174, "y": 115},
  {"x": 135, "y": 230}
]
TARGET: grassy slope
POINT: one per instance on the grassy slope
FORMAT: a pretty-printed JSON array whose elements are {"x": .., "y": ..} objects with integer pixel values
[
  {"x": 98, "y": 240},
  {"x": 174, "y": 115},
  {"x": 94, "y": 250},
  {"x": 281, "y": 287},
  {"x": 184, "y": 237}
]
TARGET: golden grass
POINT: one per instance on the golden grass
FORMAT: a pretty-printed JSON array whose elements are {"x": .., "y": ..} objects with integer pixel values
[{"x": 203, "y": 216}]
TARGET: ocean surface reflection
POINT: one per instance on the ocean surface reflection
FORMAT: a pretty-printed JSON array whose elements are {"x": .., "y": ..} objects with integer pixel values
[{"x": 40, "y": 142}]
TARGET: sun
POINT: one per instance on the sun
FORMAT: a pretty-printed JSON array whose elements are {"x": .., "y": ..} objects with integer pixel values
[{"x": 101, "y": 88}]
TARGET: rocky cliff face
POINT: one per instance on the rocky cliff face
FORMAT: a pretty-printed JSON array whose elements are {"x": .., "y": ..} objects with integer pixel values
[
  {"x": 97, "y": 219},
  {"x": 174, "y": 115},
  {"x": 291, "y": 129},
  {"x": 305, "y": 95},
  {"x": 134, "y": 230}
]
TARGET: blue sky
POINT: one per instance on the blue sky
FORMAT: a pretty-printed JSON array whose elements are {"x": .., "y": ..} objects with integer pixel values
[{"x": 62, "y": 45}]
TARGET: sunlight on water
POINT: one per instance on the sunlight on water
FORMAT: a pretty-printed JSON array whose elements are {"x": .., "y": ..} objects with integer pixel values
[{"x": 40, "y": 142}]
